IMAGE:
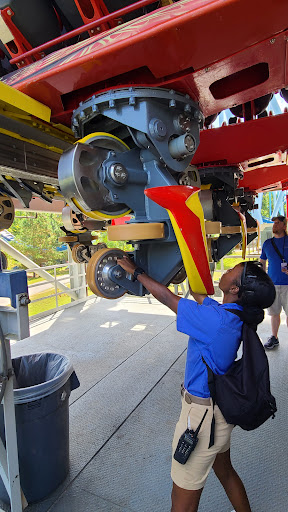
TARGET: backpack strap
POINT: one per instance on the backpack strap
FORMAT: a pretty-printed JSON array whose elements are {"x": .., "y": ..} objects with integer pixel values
[
  {"x": 212, "y": 386},
  {"x": 281, "y": 256},
  {"x": 236, "y": 312},
  {"x": 212, "y": 389}
]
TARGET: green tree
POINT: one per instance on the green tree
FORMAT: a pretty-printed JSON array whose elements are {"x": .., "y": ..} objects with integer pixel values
[
  {"x": 37, "y": 238},
  {"x": 265, "y": 205},
  {"x": 265, "y": 211}
]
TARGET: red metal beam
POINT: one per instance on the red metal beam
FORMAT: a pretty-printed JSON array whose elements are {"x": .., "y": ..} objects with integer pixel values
[
  {"x": 165, "y": 49},
  {"x": 265, "y": 177},
  {"x": 236, "y": 143},
  {"x": 84, "y": 28}
]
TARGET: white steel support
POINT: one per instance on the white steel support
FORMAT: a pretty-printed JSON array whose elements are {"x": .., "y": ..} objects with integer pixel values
[
  {"x": 31, "y": 264},
  {"x": 278, "y": 204},
  {"x": 77, "y": 276},
  {"x": 15, "y": 325}
]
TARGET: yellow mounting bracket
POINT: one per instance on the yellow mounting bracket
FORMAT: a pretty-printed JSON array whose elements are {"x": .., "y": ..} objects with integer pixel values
[{"x": 15, "y": 101}]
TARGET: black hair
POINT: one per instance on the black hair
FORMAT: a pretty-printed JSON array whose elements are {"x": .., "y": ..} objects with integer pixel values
[{"x": 256, "y": 292}]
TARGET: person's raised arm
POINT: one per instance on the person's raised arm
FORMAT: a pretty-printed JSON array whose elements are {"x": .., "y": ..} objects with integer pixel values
[
  {"x": 158, "y": 290},
  {"x": 199, "y": 297}
]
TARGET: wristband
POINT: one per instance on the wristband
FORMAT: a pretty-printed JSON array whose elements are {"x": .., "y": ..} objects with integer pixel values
[{"x": 138, "y": 271}]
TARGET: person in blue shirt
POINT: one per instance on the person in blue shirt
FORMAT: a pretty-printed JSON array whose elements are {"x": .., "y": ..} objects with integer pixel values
[
  {"x": 275, "y": 250},
  {"x": 214, "y": 333}
]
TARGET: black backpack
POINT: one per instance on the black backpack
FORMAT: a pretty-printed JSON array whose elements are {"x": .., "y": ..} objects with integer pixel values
[{"x": 243, "y": 393}]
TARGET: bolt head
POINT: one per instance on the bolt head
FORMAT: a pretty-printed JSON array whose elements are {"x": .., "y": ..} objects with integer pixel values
[
  {"x": 118, "y": 274},
  {"x": 157, "y": 128},
  {"x": 118, "y": 173}
]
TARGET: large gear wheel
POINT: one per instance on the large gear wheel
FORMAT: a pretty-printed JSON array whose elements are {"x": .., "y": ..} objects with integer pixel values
[
  {"x": 77, "y": 253},
  {"x": 7, "y": 212},
  {"x": 179, "y": 277},
  {"x": 71, "y": 183},
  {"x": 4, "y": 261},
  {"x": 72, "y": 221},
  {"x": 98, "y": 278}
]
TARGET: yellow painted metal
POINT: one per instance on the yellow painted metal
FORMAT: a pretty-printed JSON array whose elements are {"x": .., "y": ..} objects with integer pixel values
[
  {"x": 98, "y": 215},
  {"x": 91, "y": 136},
  {"x": 15, "y": 101},
  {"x": 19, "y": 107},
  {"x": 34, "y": 142}
]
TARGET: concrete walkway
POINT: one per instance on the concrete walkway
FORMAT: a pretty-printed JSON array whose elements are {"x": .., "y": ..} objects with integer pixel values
[{"x": 130, "y": 361}]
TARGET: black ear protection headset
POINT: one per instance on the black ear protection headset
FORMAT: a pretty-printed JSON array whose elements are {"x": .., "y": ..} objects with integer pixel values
[{"x": 244, "y": 283}]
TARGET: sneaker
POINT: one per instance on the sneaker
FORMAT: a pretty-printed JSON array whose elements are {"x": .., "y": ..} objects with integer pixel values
[{"x": 271, "y": 343}]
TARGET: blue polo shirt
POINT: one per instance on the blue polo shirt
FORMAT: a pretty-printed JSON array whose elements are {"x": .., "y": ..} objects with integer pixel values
[
  {"x": 274, "y": 260},
  {"x": 214, "y": 333}
]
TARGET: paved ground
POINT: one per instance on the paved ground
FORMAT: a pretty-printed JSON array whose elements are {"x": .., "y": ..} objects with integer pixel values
[{"x": 130, "y": 361}]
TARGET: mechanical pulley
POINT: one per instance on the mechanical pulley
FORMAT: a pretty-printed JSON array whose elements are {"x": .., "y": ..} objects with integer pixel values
[
  {"x": 7, "y": 212},
  {"x": 81, "y": 176},
  {"x": 99, "y": 271}
]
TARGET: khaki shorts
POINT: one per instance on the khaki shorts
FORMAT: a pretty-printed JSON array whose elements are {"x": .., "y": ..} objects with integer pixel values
[
  {"x": 193, "y": 474},
  {"x": 281, "y": 300}
]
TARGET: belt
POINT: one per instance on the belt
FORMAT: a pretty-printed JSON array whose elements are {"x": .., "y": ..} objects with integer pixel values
[{"x": 189, "y": 399}]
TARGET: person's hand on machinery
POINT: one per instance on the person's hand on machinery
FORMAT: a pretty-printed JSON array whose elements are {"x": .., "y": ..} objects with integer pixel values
[
  {"x": 127, "y": 264},
  {"x": 158, "y": 290}
]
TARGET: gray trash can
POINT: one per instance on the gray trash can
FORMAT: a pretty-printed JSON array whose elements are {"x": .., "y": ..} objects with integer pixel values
[{"x": 43, "y": 383}]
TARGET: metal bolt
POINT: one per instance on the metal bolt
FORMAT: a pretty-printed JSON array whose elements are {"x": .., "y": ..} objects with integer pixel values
[
  {"x": 272, "y": 41},
  {"x": 118, "y": 274},
  {"x": 157, "y": 128},
  {"x": 24, "y": 300},
  {"x": 9, "y": 12},
  {"x": 207, "y": 69},
  {"x": 184, "y": 122},
  {"x": 118, "y": 173},
  {"x": 189, "y": 143}
]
